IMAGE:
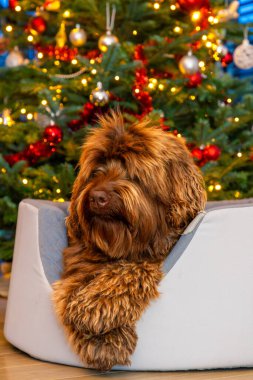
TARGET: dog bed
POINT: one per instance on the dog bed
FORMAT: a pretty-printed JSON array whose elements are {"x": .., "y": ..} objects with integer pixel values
[{"x": 202, "y": 320}]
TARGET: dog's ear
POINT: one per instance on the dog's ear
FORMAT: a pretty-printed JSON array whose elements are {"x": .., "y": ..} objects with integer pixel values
[{"x": 187, "y": 194}]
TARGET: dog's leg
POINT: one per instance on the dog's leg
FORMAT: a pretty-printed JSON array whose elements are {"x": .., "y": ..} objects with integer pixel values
[{"x": 100, "y": 317}]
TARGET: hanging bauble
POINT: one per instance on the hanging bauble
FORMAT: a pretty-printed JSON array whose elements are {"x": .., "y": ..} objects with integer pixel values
[
  {"x": 78, "y": 36},
  {"x": 99, "y": 96},
  {"x": 14, "y": 58},
  {"x": 190, "y": 5},
  {"x": 61, "y": 37},
  {"x": 75, "y": 124},
  {"x": 227, "y": 59},
  {"x": 52, "y": 5},
  {"x": 38, "y": 150},
  {"x": 230, "y": 13},
  {"x": 38, "y": 24},
  {"x": 106, "y": 40},
  {"x": 52, "y": 134},
  {"x": 197, "y": 153},
  {"x": 194, "y": 80},
  {"x": 212, "y": 152},
  {"x": 221, "y": 49},
  {"x": 13, "y": 4},
  {"x": 189, "y": 64},
  {"x": 243, "y": 55}
]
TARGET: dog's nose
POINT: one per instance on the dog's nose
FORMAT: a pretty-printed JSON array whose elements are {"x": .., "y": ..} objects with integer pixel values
[{"x": 99, "y": 197}]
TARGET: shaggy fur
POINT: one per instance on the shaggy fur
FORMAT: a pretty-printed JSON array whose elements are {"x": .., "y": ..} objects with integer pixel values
[{"x": 136, "y": 191}]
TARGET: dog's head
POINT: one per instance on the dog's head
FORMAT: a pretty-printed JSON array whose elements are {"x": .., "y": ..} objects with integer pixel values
[{"x": 137, "y": 188}]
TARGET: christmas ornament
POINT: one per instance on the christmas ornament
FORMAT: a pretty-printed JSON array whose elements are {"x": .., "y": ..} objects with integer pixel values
[
  {"x": 6, "y": 117},
  {"x": 38, "y": 150},
  {"x": 212, "y": 152},
  {"x": 194, "y": 80},
  {"x": 227, "y": 59},
  {"x": 243, "y": 54},
  {"x": 221, "y": 49},
  {"x": 14, "y": 58},
  {"x": 61, "y": 37},
  {"x": 52, "y": 5},
  {"x": 75, "y": 124},
  {"x": 38, "y": 24},
  {"x": 197, "y": 153},
  {"x": 62, "y": 54},
  {"x": 189, "y": 64},
  {"x": 190, "y": 5},
  {"x": 78, "y": 36},
  {"x": 12, "y": 4},
  {"x": 52, "y": 134},
  {"x": 108, "y": 39},
  {"x": 230, "y": 13},
  {"x": 99, "y": 96}
]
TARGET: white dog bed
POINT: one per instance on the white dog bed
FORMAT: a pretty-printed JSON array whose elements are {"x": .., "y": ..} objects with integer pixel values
[{"x": 203, "y": 318}]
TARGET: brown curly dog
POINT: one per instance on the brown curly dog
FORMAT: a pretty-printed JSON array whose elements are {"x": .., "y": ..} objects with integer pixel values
[{"x": 136, "y": 191}]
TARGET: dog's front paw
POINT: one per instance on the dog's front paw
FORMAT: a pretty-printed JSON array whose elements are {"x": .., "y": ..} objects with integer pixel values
[{"x": 104, "y": 351}]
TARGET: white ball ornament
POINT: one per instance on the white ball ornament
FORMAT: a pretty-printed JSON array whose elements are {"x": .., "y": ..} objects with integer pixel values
[
  {"x": 78, "y": 36},
  {"x": 189, "y": 64},
  {"x": 106, "y": 40},
  {"x": 99, "y": 97},
  {"x": 15, "y": 58},
  {"x": 243, "y": 55}
]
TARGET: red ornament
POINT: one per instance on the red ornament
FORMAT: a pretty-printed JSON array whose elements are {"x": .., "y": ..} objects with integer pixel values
[
  {"x": 194, "y": 80},
  {"x": 38, "y": 24},
  {"x": 12, "y": 159},
  {"x": 190, "y": 5},
  {"x": 227, "y": 59},
  {"x": 52, "y": 134},
  {"x": 75, "y": 124},
  {"x": 212, "y": 152},
  {"x": 12, "y": 4},
  {"x": 197, "y": 153},
  {"x": 38, "y": 150}
]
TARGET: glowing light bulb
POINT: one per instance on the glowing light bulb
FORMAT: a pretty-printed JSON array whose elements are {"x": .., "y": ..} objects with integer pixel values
[
  {"x": 173, "y": 7},
  {"x": 57, "y": 63},
  {"x": 18, "y": 8},
  {"x": 201, "y": 64},
  {"x": 94, "y": 71},
  {"x": 116, "y": 77},
  {"x": 44, "y": 102},
  {"x": 30, "y": 38},
  {"x": 23, "y": 111},
  {"x": 210, "y": 188},
  {"x": 66, "y": 14},
  {"x": 229, "y": 100},
  {"x": 29, "y": 116},
  {"x": 236, "y": 119},
  {"x": 161, "y": 87},
  {"x": 40, "y": 55},
  {"x": 58, "y": 191},
  {"x": 74, "y": 61},
  {"x": 196, "y": 16},
  {"x": 239, "y": 154},
  {"x": 177, "y": 29},
  {"x": 135, "y": 32},
  {"x": 217, "y": 187},
  {"x": 9, "y": 28},
  {"x": 84, "y": 82},
  {"x": 192, "y": 97},
  {"x": 25, "y": 181},
  {"x": 173, "y": 89},
  {"x": 156, "y": 6}
]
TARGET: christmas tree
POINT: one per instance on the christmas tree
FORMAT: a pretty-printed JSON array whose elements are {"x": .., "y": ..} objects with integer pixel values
[{"x": 66, "y": 61}]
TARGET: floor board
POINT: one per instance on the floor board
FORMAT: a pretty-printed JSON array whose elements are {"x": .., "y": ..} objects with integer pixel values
[{"x": 15, "y": 365}]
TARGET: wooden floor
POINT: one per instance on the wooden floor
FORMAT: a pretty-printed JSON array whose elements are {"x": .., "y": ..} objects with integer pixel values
[{"x": 15, "y": 365}]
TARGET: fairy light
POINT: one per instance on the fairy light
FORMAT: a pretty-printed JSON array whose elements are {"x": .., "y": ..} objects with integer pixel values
[
  {"x": 137, "y": 90},
  {"x": 239, "y": 154},
  {"x": 135, "y": 32},
  {"x": 30, "y": 38},
  {"x": 236, "y": 119},
  {"x": 74, "y": 61},
  {"x": 23, "y": 111},
  {"x": 3, "y": 170},
  {"x": 201, "y": 64},
  {"x": 215, "y": 20},
  {"x": 25, "y": 181},
  {"x": 210, "y": 188},
  {"x": 116, "y": 77},
  {"x": 58, "y": 91},
  {"x": 192, "y": 97},
  {"x": 9, "y": 28},
  {"x": 41, "y": 191},
  {"x": 44, "y": 70},
  {"x": 18, "y": 8},
  {"x": 1, "y": 120},
  {"x": 156, "y": 6},
  {"x": 229, "y": 100},
  {"x": 179, "y": 135},
  {"x": 161, "y": 87},
  {"x": 211, "y": 19},
  {"x": 57, "y": 63},
  {"x": 173, "y": 7},
  {"x": 237, "y": 194},
  {"x": 173, "y": 89},
  {"x": 196, "y": 16},
  {"x": 58, "y": 191},
  {"x": 177, "y": 29},
  {"x": 44, "y": 102},
  {"x": 198, "y": 28},
  {"x": 94, "y": 71},
  {"x": 84, "y": 82},
  {"x": 204, "y": 37},
  {"x": 92, "y": 61},
  {"x": 40, "y": 55},
  {"x": 218, "y": 187},
  {"x": 208, "y": 44},
  {"x": 66, "y": 13},
  {"x": 29, "y": 116}
]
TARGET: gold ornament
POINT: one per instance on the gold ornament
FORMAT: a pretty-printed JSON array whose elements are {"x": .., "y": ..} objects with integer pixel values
[
  {"x": 107, "y": 40},
  {"x": 52, "y": 5},
  {"x": 78, "y": 36},
  {"x": 61, "y": 37},
  {"x": 229, "y": 13},
  {"x": 99, "y": 97}
]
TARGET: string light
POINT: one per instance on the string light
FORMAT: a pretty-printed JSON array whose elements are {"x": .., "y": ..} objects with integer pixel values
[
  {"x": 84, "y": 82},
  {"x": 59, "y": 200},
  {"x": 173, "y": 7},
  {"x": 18, "y": 8},
  {"x": 156, "y": 6},
  {"x": 116, "y": 77},
  {"x": 9, "y": 28},
  {"x": 177, "y": 29},
  {"x": 239, "y": 154},
  {"x": 1, "y": 120},
  {"x": 23, "y": 111},
  {"x": 3, "y": 170},
  {"x": 29, "y": 116},
  {"x": 94, "y": 71},
  {"x": 25, "y": 181},
  {"x": 236, "y": 119},
  {"x": 192, "y": 97},
  {"x": 173, "y": 89},
  {"x": 237, "y": 194},
  {"x": 211, "y": 19},
  {"x": 74, "y": 61},
  {"x": 151, "y": 85},
  {"x": 137, "y": 90},
  {"x": 58, "y": 191},
  {"x": 135, "y": 32},
  {"x": 204, "y": 37},
  {"x": 196, "y": 16},
  {"x": 218, "y": 187},
  {"x": 201, "y": 64},
  {"x": 40, "y": 55},
  {"x": 229, "y": 100},
  {"x": 44, "y": 102},
  {"x": 198, "y": 28},
  {"x": 30, "y": 38},
  {"x": 92, "y": 61},
  {"x": 179, "y": 135},
  {"x": 161, "y": 87},
  {"x": 58, "y": 91},
  {"x": 57, "y": 63},
  {"x": 208, "y": 44},
  {"x": 66, "y": 13},
  {"x": 210, "y": 188},
  {"x": 44, "y": 70}
]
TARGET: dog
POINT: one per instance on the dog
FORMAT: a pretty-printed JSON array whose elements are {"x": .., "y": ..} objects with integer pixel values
[{"x": 136, "y": 191}]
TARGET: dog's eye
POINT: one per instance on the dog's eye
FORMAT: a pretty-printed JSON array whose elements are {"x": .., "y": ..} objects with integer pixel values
[{"x": 94, "y": 173}]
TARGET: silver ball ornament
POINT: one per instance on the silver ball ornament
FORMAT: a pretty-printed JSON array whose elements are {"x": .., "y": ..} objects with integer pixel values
[
  {"x": 221, "y": 49},
  {"x": 14, "y": 58},
  {"x": 106, "y": 40},
  {"x": 78, "y": 36},
  {"x": 189, "y": 64},
  {"x": 99, "y": 97}
]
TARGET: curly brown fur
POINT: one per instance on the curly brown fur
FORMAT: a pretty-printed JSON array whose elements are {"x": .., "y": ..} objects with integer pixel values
[{"x": 136, "y": 191}]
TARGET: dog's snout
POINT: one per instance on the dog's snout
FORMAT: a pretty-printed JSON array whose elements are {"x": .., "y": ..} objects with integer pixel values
[{"x": 99, "y": 197}]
